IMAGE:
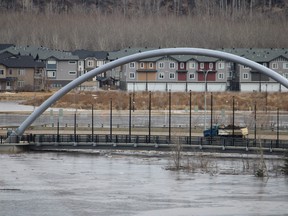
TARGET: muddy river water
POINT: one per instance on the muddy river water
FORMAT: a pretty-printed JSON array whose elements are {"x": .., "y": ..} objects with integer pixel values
[{"x": 70, "y": 184}]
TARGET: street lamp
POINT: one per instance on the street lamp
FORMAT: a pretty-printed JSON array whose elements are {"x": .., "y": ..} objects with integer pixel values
[{"x": 205, "y": 79}]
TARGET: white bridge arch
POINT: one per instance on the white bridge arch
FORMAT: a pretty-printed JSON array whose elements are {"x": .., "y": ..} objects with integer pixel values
[{"x": 143, "y": 55}]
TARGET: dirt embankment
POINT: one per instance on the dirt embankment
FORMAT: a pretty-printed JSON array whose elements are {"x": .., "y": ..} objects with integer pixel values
[{"x": 159, "y": 100}]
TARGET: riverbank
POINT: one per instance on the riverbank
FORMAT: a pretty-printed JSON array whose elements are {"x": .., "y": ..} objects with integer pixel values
[{"x": 179, "y": 100}]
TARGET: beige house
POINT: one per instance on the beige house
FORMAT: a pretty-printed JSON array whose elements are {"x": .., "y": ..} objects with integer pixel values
[{"x": 21, "y": 73}]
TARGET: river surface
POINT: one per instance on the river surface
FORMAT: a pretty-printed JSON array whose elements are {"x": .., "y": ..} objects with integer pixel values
[{"x": 75, "y": 184}]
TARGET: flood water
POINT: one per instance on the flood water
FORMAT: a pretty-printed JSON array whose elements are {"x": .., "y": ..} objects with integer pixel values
[{"x": 66, "y": 184}]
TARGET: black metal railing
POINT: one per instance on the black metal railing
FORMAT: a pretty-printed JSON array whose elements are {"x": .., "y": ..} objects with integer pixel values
[{"x": 155, "y": 139}]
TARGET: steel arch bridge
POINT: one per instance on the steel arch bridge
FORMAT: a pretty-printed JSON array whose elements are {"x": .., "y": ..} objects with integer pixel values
[{"x": 138, "y": 56}]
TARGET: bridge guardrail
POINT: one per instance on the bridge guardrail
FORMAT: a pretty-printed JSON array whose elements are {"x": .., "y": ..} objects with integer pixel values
[{"x": 155, "y": 139}]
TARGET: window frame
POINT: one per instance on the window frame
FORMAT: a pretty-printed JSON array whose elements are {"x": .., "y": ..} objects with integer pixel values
[
  {"x": 274, "y": 65},
  {"x": 192, "y": 76},
  {"x": 90, "y": 63},
  {"x": 161, "y": 75},
  {"x": 221, "y": 65},
  {"x": 221, "y": 76},
  {"x": 211, "y": 65},
  {"x": 21, "y": 72},
  {"x": 245, "y": 76},
  {"x": 132, "y": 75},
  {"x": 51, "y": 72},
  {"x": 132, "y": 65},
  {"x": 161, "y": 65},
  {"x": 172, "y": 74},
  {"x": 192, "y": 65},
  {"x": 172, "y": 65},
  {"x": 202, "y": 65},
  {"x": 72, "y": 73}
]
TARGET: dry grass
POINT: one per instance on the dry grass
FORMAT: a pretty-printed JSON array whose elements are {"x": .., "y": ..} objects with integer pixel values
[{"x": 159, "y": 100}]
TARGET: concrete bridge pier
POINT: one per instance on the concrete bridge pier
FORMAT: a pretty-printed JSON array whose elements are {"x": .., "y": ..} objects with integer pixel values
[{"x": 13, "y": 148}]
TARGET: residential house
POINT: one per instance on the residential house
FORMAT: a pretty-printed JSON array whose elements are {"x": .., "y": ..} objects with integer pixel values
[
  {"x": 122, "y": 72},
  {"x": 61, "y": 67},
  {"x": 89, "y": 60},
  {"x": 21, "y": 73},
  {"x": 200, "y": 73},
  {"x": 175, "y": 73},
  {"x": 252, "y": 80}
]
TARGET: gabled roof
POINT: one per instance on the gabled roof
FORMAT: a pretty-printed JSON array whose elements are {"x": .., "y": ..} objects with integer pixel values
[
  {"x": 41, "y": 53},
  {"x": 183, "y": 58},
  {"x": 5, "y": 46},
  {"x": 21, "y": 62},
  {"x": 126, "y": 52},
  {"x": 83, "y": 54},
  {"x": 5, "y": 55},
  {"x": 259, "y": 55}
]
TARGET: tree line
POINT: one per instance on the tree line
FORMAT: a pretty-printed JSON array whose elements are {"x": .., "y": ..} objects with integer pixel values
[
  {"x": 213, "y": 24},
  {"x": 144, "y": 7}
]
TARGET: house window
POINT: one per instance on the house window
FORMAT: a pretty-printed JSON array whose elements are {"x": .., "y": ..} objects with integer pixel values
[
  {"x": 171, "y": 65},
  {"x": 51, "y": 64},
  {"x": 265, "y": 64},
  {"x": 99, "y": 63},
  {"x": 182, "y": 65},
  {"x": 1, "y": 72},
  {"x": 150, "y": 65},
  {"x": 10, "y": 72},
  {"x": 8, "y": 83},
  {"x": 274, "y": 65},
  {"x": 90, "y": 63},
  {"x": 72, "y": 72},
  {"x": 132, "y": 75},
  {"x": 192, "y": 65},
  {"x": 201, "y": 65},
  {"x": 245, "y": 76},
  {"x": 141, "y": 64},
  {"x": 245, "y": 67},
  {"x": 132, "y": 65},
  {"x": 72, "y": 62},
  {"x": 285, "y": 65},
  {"x": 191, "y": 75},
  {"x": 210, "y": 65},
  {"x": 51, "y": 74},
  {"x": 161, "y": 65},
  {"x": 171, "y": 75},
  {"x": 286, "y": 75},
  {"x": 21, "y": 72},
  {"x": 20, "y": 84},
  {"x": 221, "y": 65},
  {"x": 221, "y": 76},
  {"x": 161, "y": 75}
]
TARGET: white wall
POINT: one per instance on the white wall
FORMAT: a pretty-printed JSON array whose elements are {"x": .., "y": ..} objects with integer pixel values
[
  {"x": 271, "y": 87},
  {"x": 176, "y": 87}
]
